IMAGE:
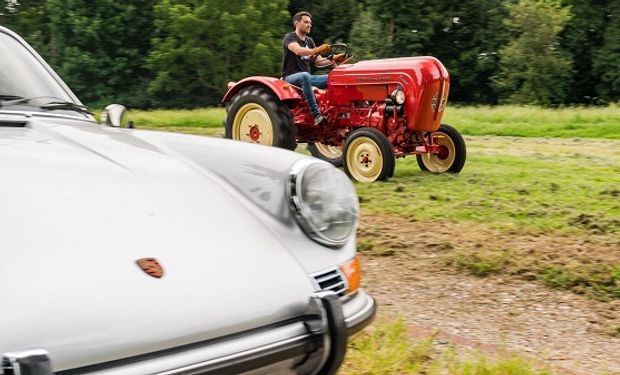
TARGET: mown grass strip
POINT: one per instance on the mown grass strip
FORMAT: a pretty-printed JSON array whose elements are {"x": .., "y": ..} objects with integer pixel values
[{"x": 553, "y": 192}]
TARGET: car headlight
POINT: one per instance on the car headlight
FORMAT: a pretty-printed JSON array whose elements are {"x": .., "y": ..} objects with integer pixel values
[{"x": 324, "y": 202}]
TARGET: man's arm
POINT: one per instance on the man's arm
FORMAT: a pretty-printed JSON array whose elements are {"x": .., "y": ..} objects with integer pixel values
[
  {"x": 302, "y": 51},
  {"x": 299, "y": 50}
]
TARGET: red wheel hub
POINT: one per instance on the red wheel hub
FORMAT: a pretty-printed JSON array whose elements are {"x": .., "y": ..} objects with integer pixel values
[
  {"x": 443, "y": 152},
  {"x": 365, "y": 160},
  {"x": 254, "y": 133}
]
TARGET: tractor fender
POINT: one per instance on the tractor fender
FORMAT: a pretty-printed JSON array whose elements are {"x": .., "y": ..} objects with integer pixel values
[{"x": 283, "y": 90}]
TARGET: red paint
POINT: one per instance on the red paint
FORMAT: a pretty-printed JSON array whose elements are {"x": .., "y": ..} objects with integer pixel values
[{"x": 254, "y": 133}]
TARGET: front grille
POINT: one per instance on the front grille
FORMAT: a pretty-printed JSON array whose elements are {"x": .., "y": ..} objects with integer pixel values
[
  {"x": 332, "y": 280},
  {"x": 6, "y": 367}
]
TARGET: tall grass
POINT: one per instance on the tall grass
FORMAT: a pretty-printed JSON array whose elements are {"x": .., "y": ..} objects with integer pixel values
[
  {"x": 187, "y": 118},
  {"x": 523, "y": 121}
]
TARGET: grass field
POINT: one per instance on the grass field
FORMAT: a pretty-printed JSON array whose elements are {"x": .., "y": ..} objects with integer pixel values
[
  {"x": 508, "y": 184},
  {"x": 579, "y": 122},
  {"x": 590, "y": 122},
  {"x": 520, "y": 189},
  {"x": 190, "y": 118},
  {"x": 511, "y": 183}
]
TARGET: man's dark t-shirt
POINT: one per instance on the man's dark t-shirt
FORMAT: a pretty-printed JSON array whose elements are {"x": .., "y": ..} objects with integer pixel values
[{"x": 291, "y": 63}]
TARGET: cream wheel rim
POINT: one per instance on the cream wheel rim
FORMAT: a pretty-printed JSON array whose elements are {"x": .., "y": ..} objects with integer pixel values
[
  {"x": 364, "y": 159},
  {"x": 331, "y": 152},
  {"x": 252, "y": 124},
  {"x": 443, "y": 160}
]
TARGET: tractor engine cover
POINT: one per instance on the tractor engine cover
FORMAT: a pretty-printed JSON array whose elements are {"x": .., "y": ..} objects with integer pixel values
[{"x": 424, "y": 80}]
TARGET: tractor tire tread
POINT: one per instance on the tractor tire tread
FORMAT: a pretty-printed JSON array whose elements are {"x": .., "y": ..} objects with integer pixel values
[
  {"x": 314, "y": 151},
  {"x": 285, "y": 131},
  {"x": 459, "y": 144},
  {"x": 386, "y": 148}
]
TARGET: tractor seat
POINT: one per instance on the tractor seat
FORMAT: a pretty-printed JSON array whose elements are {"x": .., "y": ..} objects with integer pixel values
[{"x": 315, "y": 89}]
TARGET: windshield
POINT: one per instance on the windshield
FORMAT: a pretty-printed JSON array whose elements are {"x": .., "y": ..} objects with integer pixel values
[{"x": 23, "y": 76}]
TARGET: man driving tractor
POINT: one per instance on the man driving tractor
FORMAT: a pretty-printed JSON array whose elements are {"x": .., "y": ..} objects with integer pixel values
[
  {"x": 373, "y": 111},
  {"x": 299, "y": 51}
]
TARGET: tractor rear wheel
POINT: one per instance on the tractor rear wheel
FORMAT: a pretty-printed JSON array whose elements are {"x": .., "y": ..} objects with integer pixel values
[
  {"x": 368, "y": 156},
  {"x": 256, "y": 115},
  {"x": 331, "y": 154},
  {"x": 452, "y": 152}
]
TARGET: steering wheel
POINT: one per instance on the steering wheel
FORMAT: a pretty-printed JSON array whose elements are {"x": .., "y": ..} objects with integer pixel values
[{"x": 336, "y": 49}]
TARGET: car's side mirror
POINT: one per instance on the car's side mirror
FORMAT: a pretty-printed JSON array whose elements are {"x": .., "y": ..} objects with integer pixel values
[{"x": 115, "y": 115}]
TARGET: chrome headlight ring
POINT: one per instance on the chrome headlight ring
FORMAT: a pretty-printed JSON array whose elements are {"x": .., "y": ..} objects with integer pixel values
[
  {"x": 323, "y": 201},
  {"x": 398, "y": 96}
]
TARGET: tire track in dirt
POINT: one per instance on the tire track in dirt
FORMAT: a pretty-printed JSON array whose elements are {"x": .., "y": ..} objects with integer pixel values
[{"x": 412, "y": 281}]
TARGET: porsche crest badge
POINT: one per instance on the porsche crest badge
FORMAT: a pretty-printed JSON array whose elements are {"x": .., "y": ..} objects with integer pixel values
[{"x": 151, "y": 266}]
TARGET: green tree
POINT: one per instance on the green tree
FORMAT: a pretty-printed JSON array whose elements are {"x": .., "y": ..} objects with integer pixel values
[
  {"x": 606, "y": 59},
  {"x": 467, "y": 39},
  {"x": 333, "y": 20},
  {"x": 368, "y": 38},
  {"x": 409, "y": 24},
  {"x": 582, "y": 36},
  {"x": 99, "y": 48},
  {"x": 201, "y": 45},
  {"x": 533, "y": 67},
  {"x": 28, "y": 18}
]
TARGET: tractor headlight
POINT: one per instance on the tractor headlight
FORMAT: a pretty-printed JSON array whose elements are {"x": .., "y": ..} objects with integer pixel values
[
  {"x": 398, "y": 96},
  {"x": 324, "y": 202}
]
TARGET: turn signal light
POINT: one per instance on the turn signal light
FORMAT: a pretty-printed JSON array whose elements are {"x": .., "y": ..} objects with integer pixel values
[{"x": 352, "y": 270}]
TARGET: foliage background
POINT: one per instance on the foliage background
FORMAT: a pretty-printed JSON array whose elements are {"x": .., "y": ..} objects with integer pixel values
[{"x": 181, "y": 53}]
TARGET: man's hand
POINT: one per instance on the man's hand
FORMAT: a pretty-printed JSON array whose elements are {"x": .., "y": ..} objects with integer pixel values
[
  {"x": 323, "y": 48},
  {"x": 339, "y": 58}
]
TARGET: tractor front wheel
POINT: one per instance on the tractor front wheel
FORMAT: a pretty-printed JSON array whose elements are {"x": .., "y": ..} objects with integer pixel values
[
  {"x": 256, "y": 115},
  {"x": 368, "y": 156},
  {"x": 331, "y": 154},
  {"x": 451, "y": 155}
]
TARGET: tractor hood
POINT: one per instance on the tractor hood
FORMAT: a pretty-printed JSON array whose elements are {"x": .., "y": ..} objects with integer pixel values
[
  {"x": 416, "y": 66},
  {"x": 82, "y": 203},
  {"x": 424, "y": 79}
]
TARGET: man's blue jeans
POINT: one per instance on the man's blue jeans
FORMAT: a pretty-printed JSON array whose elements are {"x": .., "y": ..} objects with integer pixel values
[{"x": 306, "y": 81}]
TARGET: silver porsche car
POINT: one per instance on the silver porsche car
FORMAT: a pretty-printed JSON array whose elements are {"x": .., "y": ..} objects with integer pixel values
[{"x": 139, "y": 252}]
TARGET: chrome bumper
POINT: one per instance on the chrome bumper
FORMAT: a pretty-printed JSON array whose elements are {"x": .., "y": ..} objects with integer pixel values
[
  {"x": 359, "y": 311},
  {"x": 315, "y": 343}
]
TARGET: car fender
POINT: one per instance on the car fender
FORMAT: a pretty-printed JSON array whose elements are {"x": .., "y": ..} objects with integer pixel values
[{"x": 283, "y": 90}]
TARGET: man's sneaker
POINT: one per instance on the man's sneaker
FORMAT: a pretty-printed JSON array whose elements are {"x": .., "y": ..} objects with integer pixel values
[{"x": 319, "y": 120}]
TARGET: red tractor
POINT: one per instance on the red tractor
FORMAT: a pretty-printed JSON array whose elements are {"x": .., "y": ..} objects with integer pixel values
[{"x": 377, "y": 110}]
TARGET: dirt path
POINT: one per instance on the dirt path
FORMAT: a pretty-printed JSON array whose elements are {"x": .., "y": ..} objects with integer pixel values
[{"x": 411, "y": 280}]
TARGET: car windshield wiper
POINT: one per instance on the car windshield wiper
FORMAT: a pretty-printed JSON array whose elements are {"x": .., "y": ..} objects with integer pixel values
[
  {"x": 51, "y": 106},
  {"x": 55, "y": 103},
  {"x": 9, "y": 97}
]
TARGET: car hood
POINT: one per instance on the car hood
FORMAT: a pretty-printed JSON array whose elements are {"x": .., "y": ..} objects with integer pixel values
[{"x": 81, "y": 203}]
